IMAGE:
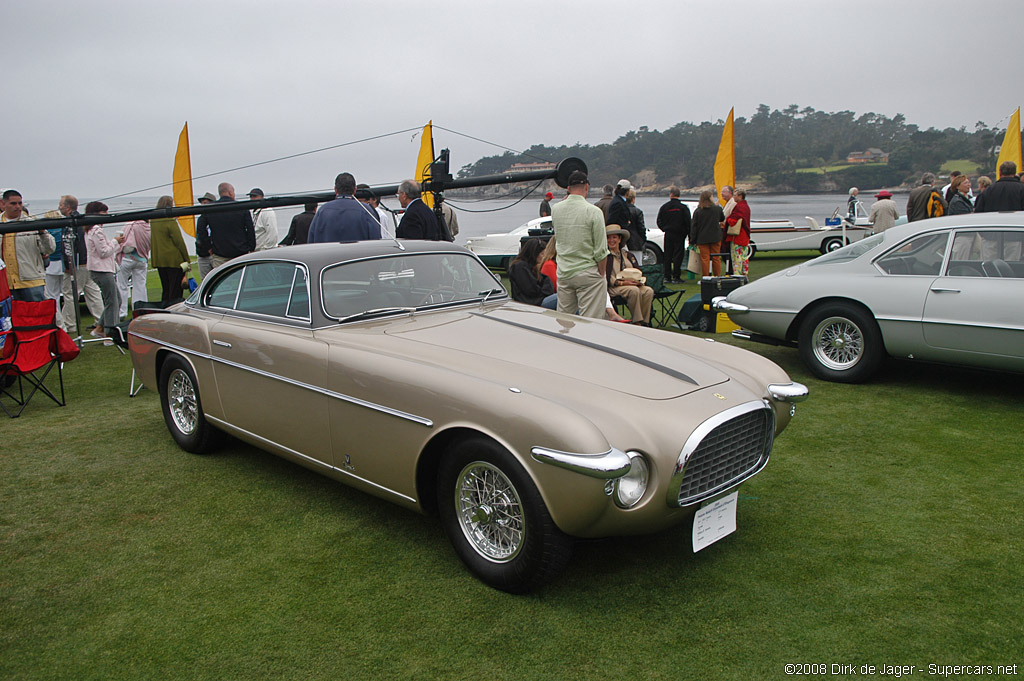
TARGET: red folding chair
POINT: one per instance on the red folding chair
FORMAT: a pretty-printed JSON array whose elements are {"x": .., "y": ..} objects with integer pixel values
[{"x": 32, "y": 348}]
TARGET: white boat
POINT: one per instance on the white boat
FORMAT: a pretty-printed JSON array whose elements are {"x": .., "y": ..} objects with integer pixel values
[{"x": 783, "y": 235}]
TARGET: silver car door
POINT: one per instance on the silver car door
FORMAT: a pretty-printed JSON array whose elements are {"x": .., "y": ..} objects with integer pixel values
[{"x": 977, "y": 307}]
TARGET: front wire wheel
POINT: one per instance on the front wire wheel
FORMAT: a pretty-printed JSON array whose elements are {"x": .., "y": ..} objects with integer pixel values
[
  {"x": 841, "y": 342},
  {"x": 838, "y": 343},
  {"x": 496, "y": 519},
  {"x": 490, "y": 512}
]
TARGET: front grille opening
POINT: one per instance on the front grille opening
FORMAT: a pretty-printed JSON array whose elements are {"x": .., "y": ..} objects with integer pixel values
[{"x": 728, "y": 453}]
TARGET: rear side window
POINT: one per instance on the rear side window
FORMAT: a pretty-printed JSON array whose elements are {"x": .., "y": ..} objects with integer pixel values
[
  {"x": 921, "y": 256},
  {"x": 987, "y": 253}
]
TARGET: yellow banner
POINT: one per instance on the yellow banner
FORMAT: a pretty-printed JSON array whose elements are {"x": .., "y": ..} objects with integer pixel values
[
  {"x": 1010, "y": 150},
  {"x": 725, "y": 162},
  {"x": 183, "y": 182},
  {"x": 424, "y": 160}
]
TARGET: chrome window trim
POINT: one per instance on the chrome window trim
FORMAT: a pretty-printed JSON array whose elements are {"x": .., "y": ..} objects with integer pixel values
[
  {"x": 291, "y": 295},
  {"x": 698, "y": 435},
  {"x": 243, "y": 266},
  {"x": 317, "y": 462},
  {"x": 421, "y": 420},
  {"x": 605, "y": 466}
]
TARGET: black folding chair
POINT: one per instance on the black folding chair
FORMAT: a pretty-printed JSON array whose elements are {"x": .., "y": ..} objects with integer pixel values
[{"x": 666, "y": 312}]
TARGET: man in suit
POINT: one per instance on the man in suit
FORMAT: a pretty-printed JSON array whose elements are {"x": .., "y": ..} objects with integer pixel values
[
  {"x": 419, "y": 221},
  {"x": 345, "y": 218}
]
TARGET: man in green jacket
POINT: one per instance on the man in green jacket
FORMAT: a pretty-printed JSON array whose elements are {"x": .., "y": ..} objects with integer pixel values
[{"x": 582, "y": 247}]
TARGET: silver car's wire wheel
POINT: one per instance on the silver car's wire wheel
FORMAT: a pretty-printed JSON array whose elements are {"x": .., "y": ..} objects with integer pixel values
[
  {"x": 490, "y": 512},
  {"x": 838, "y": 343},
  {"x": 181, "y": 400}
]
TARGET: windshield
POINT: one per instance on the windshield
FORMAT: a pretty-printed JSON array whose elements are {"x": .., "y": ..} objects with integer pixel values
[
  {"x": 848, "y": 253},
  {"x": 402, "y": 282}
]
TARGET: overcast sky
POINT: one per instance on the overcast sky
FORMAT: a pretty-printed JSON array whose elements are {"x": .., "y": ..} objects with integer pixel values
[{"x": 96, "y": 93}]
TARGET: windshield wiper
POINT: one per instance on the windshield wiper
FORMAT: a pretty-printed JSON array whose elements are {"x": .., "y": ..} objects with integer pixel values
[
  {"x": 374, "y": 312},
  {"x": 487, "y": 294}
]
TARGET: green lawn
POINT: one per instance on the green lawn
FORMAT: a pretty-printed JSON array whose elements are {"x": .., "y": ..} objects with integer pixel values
[{"x": 887, "y": 528}]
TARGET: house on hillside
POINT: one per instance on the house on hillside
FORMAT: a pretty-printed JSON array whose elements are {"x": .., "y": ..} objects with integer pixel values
[
  {"x": 872, "y": 155},
  {"x": 523, "y": 167}
]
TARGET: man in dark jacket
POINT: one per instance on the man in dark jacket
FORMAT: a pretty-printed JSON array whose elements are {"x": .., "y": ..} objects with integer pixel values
[
  {"x": 619, "y": 214},
  {"x": 226, "y": 235},
  {"x": 298, "y": 230},
  {"x": 419, "y": 220},
  {"x": 920, "y": 200},
  {"x": 674, "y": 220},
  {"x": 1007, "y": 193}
]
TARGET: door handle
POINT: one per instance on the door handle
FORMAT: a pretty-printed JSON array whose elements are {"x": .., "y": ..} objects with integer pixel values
[
  {"x": 945, "y": 290},
  {"x": 222, "y": 344}
]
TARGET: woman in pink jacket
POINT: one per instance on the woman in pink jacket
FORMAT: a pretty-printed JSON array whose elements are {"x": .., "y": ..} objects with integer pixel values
[{"x": 102, "y": 264}]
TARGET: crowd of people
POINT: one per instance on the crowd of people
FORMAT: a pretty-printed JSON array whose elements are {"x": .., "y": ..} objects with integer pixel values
[
  {"x": 111, "y": 271},
  {"x": 956, "y": 198},
  {"x": 599, "y": 246}
]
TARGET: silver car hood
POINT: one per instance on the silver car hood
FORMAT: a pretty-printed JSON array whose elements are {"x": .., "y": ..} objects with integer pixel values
[{"x": 610, "y": 356}]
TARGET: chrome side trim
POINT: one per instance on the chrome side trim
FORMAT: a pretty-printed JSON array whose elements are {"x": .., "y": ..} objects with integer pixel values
[
  {"x": 788, "y": 392},
  {"x": 606, "y": 466},
  {"x": 421, "y": 420},
  {"x": 720, "y": 303},
  {"x": 300, "y": 455},
  {"x": 702, "y": 431}
]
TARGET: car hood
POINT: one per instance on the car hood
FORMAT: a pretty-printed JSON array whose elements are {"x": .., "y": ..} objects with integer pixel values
[{"x": 513, "y": 341}]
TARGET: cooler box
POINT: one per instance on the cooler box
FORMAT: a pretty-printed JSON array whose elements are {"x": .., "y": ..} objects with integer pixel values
[
  {"x": 833, "y": 222},
  {"x": 712, "y": 287}
]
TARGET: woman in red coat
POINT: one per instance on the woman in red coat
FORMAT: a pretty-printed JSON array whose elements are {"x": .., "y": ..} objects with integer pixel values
[{"x": 739, "y": 244}]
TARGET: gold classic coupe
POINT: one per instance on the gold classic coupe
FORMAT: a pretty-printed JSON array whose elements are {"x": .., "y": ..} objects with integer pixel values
[{"x": 403, "y": 369}]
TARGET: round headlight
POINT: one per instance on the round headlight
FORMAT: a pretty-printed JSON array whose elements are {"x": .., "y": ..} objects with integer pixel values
[{"x": 630, "y": 488}]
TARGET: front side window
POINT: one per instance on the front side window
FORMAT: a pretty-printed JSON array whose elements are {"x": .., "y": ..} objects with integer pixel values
[
  {"x": 922, "y": 255},
  {"x": 401, "y": 282}
]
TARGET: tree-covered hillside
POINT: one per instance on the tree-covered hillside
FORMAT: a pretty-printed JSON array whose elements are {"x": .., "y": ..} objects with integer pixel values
[{"x": 789, "y": 150}]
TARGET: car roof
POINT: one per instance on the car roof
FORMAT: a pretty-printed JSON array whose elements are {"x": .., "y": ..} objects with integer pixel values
[
  {"x": 320, "y": 255},
  {"x": 1004, "y": 219}
]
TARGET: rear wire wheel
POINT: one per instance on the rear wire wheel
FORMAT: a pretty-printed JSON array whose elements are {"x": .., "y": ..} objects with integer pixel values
[{"x": 183, "y": 408}]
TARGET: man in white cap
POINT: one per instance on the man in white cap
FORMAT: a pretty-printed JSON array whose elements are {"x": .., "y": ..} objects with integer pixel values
[{"x": 265, "y": 222}]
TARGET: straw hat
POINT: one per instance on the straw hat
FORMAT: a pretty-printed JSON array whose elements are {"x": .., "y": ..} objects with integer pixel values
[
  {"x": 615, "y": 229},
  {"x": 632, "y": 274}
]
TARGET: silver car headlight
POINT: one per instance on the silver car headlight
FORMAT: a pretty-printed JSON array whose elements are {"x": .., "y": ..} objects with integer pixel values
[{"x": 630, "y": 488}]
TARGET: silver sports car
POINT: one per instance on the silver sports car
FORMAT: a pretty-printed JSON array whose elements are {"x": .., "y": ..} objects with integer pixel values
[
  {"x": 404, "y": 370},
  {"x": 944, "y": 290}
]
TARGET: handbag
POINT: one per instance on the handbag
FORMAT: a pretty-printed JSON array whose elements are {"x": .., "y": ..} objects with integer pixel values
[
  {"x": 693, "y": 264},
  {"x": 733, "y": 230}
]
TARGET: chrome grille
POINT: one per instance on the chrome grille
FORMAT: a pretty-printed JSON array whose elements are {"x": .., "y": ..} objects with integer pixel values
[{"x": 732, "y": 451}]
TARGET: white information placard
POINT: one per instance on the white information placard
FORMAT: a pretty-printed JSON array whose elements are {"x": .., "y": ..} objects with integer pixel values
[{"x": 714, "y": 521}]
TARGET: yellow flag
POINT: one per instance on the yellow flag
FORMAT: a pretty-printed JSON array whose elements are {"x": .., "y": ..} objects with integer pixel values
[
  {"x": 1010, "y": 150},
  {"x": 183, "y": 182},
  {"x": 725, "y": 162},
  {"x": 424, "y": 160}
]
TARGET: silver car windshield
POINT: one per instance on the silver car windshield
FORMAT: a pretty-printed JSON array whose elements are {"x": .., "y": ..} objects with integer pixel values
[{"x": 397, "y": 283}]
